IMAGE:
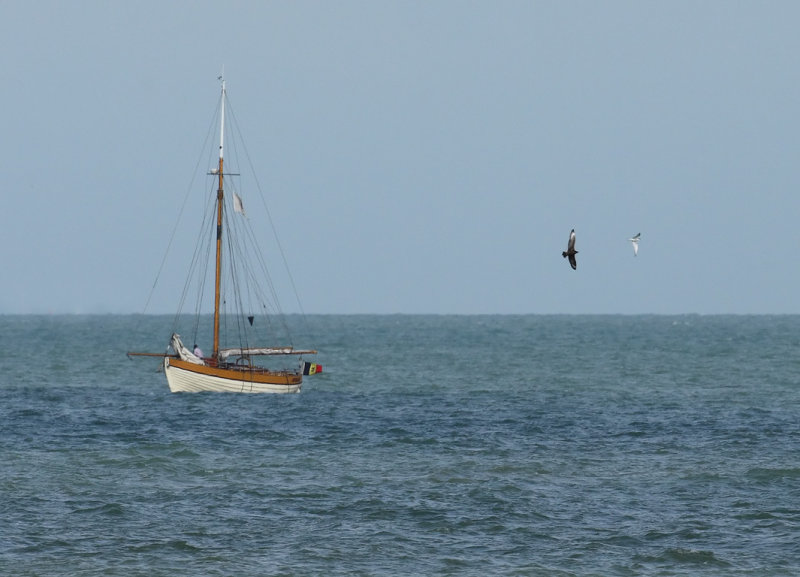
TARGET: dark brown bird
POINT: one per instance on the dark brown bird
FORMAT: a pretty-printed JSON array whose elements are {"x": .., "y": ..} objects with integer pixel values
[{"x": 571, "y": 252}]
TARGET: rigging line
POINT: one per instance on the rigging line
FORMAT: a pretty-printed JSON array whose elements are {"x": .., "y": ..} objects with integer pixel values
[
  {"x": 194, "y": 271},
  {"x": 275, "y": 300},
  {"x": 241, "y": 273},
  {"x": 202, "y": 275},
  {"x": 180, "y": 214},
  {"x": 245, "y": 250},
  {"x": 235, "y": 256},
  {"x": 235, "y": 123},
  {"x": 249, "y": 249},
  {"x": 259, "y": 257},
  {"x": 183, "y": 210},
  {"x": 254, "y": 294},
  {"x": 205, "y": 240},
  {"x": 248, "y": 252}
]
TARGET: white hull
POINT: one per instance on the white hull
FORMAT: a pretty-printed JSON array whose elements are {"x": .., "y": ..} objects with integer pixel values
[{"x": 182, "y": 381}]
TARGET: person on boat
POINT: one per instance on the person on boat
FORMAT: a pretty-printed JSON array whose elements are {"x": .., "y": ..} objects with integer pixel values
[{"x": 197, "y": 351}]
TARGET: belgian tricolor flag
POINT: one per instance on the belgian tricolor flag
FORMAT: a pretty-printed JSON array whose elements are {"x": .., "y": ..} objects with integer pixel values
[{"x": 311, "y": 368}]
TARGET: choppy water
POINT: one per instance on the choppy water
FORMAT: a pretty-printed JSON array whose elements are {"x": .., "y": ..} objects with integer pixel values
[{"x": 431, "y": 445}]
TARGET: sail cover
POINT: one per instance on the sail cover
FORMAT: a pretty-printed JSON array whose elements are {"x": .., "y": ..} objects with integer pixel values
[
  {"x": 225, "y": 353},
  {"x": 184, "y": 353}
]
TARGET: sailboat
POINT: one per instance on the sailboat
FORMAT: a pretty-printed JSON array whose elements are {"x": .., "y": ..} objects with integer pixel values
[{"x": 234, "y": 368}]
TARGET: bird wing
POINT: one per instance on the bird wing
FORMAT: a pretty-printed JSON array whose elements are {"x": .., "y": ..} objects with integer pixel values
[
  {"x": 571, "y": 243},
  {"x": 572, "y": 262},
  {"x": 635, "y": 241}
]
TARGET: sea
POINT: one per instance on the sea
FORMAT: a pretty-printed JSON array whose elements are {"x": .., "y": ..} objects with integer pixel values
[{"x": 533, "y": 445}]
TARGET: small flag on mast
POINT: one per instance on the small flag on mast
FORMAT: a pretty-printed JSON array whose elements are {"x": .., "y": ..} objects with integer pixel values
[{"x": 237, "y": 204}]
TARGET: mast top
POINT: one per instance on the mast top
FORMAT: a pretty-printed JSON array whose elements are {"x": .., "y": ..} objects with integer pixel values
[{"x": 222, "y": 118}]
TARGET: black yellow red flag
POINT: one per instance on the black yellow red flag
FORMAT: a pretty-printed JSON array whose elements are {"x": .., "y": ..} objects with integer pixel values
[{"x": 311, "y": 368}]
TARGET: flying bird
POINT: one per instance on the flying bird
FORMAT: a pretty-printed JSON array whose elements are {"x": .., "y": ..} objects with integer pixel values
[
  {"x": 571, "y": 252},
  {"x": 635, "y": 241}
]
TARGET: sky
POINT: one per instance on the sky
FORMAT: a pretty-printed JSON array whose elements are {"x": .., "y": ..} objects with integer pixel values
[{"x": 417, "y": 156}]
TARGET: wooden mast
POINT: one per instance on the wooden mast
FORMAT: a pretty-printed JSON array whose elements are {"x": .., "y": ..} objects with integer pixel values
[{"x": 220, "y": 197}]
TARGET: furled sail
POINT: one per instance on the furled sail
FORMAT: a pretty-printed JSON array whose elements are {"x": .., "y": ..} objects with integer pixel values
[
  {"x": 184, "y": 353},
  {"x": 225, "y": 353}
]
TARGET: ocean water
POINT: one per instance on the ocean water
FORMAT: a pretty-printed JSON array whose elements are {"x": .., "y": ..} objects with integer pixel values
[{"x": 431, "y": 445}]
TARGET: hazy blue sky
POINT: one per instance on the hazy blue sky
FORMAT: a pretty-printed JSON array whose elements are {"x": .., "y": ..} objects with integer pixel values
[{"x": 418, "y": 157}]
